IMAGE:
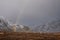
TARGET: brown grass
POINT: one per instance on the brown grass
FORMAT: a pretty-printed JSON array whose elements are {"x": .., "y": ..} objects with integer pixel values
[{"x": 29, "y": 36}]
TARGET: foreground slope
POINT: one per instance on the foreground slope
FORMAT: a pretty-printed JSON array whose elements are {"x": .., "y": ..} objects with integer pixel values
[{"x": 29, "y": 36}]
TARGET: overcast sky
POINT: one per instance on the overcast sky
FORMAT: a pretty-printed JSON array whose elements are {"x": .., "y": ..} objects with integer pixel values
[{"x": 30, "y": 12}]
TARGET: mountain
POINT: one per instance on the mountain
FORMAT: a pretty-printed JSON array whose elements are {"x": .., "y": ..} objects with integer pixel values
[
  {"x": 7, "y": 27},
  {"x": 53, "y": 26},
  {"x": 4, "y": 25}
]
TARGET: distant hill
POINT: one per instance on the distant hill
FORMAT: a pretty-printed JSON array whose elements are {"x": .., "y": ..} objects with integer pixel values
[
  {"x": 5, "y": 26},
  {"x": 53, "y": 26}
]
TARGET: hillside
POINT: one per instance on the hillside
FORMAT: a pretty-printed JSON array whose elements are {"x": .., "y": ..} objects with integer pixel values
[
  {"x": 53, "y": 26},
  {"x": 29, "y": 36}
]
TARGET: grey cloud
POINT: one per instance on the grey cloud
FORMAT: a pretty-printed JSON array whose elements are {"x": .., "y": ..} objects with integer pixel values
[{"x": 30, "y": 12}]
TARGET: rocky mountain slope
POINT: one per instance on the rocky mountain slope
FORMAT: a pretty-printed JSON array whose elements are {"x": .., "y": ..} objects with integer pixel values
[{"x": 53, "y": 26}]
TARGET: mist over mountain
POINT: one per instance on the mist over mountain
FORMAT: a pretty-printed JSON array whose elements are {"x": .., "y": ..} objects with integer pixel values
[
  {"x": 7, "y": 27},
  {"x": 53, "y": 26},
  {"x": 30, "y": 12}
]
